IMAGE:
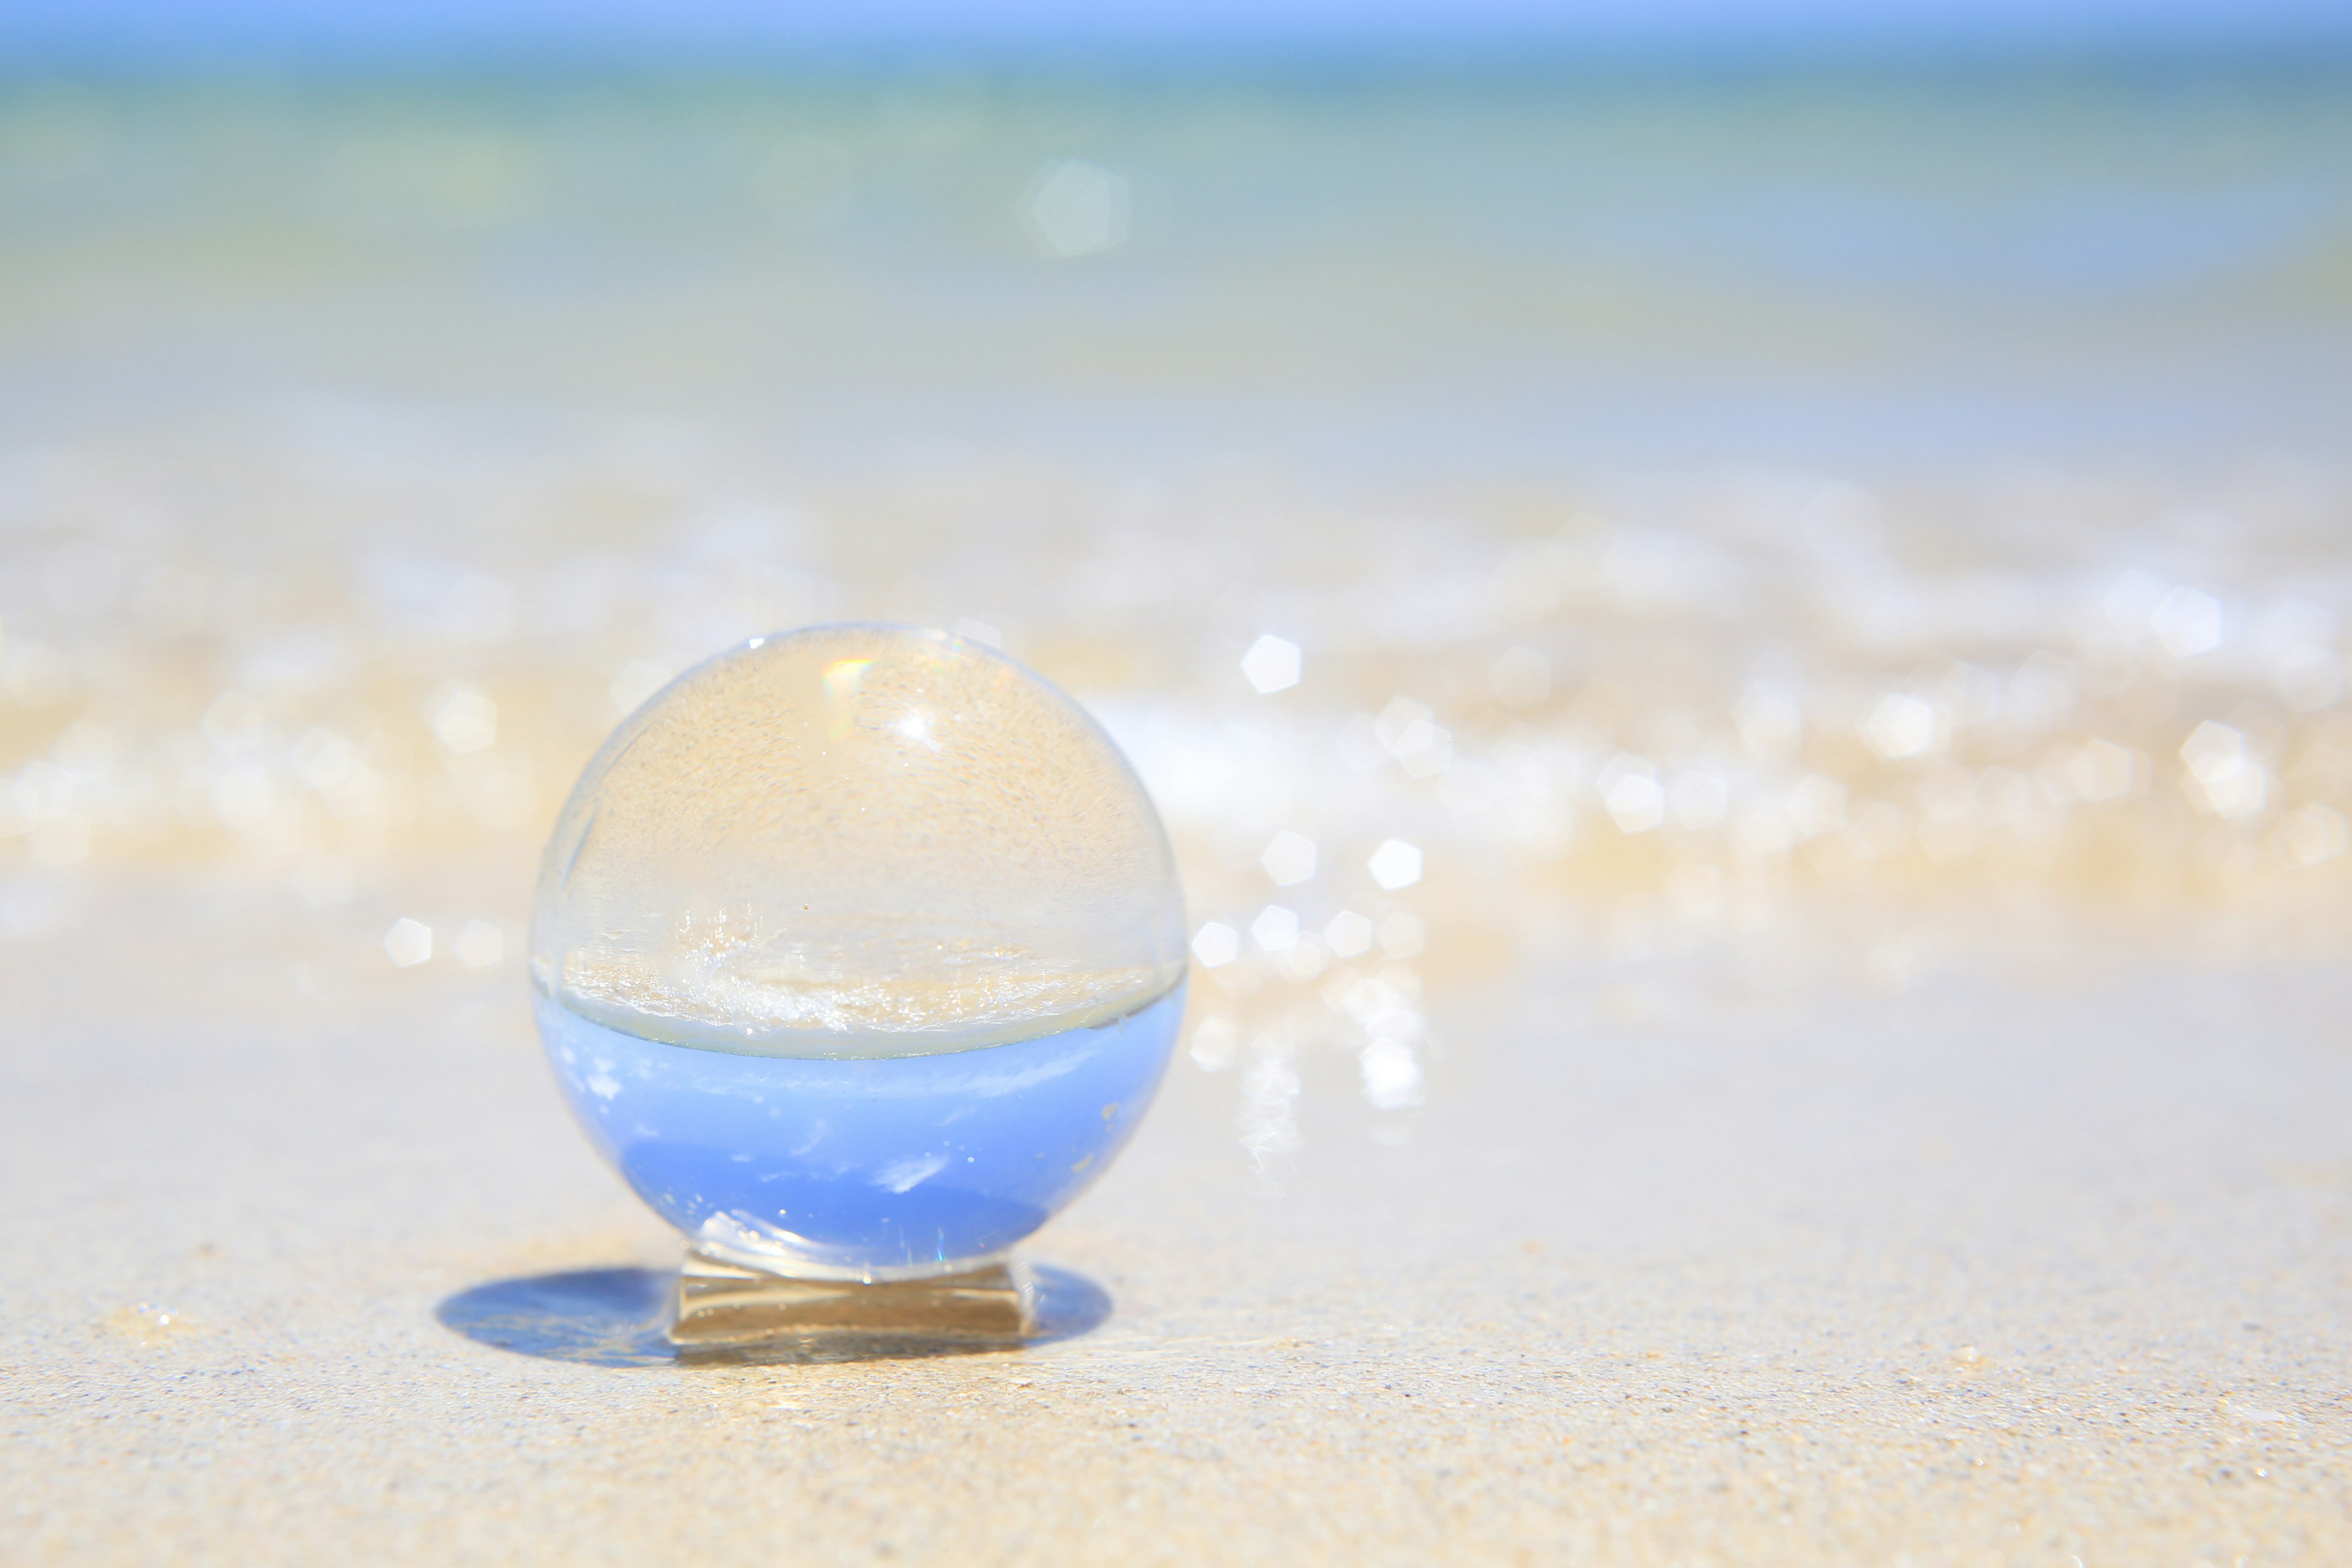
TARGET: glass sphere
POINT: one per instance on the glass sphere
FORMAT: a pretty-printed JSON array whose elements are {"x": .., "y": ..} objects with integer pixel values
[{"x": 858, "y": 950}]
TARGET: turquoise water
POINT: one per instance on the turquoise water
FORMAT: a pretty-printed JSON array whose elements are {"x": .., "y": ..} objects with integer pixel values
[
  {"x": 893, "y": 1165},
  {"x": 1571, "y": 266}
]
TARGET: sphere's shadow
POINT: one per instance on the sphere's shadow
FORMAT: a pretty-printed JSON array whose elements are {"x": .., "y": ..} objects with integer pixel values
[{"x": 620, "y": 1317}]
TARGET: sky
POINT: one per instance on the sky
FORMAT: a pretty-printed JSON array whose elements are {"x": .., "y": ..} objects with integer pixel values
[{"x": 35, "y": 31}]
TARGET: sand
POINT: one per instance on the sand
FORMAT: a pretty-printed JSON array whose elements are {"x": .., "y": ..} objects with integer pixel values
[{"x": 1997, "y": 1267}]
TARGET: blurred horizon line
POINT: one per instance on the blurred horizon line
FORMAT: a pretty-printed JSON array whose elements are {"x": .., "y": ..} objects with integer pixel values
[
  {"x": 522, "y": 62},
  {"x": 1274, "y": 39}
]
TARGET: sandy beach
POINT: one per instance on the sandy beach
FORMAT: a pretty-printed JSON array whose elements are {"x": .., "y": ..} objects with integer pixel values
[
  {"x": 1746, "y": 676},
  {"x": 1988, "y": 1271}
]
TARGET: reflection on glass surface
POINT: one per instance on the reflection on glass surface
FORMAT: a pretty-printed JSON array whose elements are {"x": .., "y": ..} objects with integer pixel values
[{"x": 859, "y": 952}]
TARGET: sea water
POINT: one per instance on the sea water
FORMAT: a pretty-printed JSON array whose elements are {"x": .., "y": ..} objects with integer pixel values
[{"x": 876, "y": 1167}]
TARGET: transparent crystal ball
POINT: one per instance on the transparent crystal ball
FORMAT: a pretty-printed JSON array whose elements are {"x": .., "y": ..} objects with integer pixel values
[{"x": 858, "y": 950}]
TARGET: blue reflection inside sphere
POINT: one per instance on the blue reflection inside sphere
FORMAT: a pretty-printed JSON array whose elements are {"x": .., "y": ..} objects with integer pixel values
[{"x": 874, "y": 1166}]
